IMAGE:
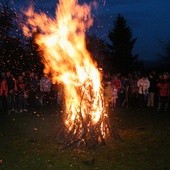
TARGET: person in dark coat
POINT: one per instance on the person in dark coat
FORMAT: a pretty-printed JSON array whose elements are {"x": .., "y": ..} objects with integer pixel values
[
  {"x": 152, "y": 90},
  {"x": 164, "y": 92}
]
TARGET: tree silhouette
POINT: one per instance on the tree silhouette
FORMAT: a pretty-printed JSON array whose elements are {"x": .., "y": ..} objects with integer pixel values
[
  {"x": 12, "y": 55},
  {"x": 165, "y": 56},
  {"x": 34, "y": 59},
  {"x": 16, "y": 53},
  {"x": 98, "y": 50},
  {"x": 121, "y": 47},
  {"x": 7, "y": 16},
  {"x": 11, "y": 48}
]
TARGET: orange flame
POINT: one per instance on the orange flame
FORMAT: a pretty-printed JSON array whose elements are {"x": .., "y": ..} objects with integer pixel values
[{"x": 62, "y": 42}]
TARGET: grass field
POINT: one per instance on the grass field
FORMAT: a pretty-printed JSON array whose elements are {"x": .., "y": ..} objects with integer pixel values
[{"x": 27, "y": 143}]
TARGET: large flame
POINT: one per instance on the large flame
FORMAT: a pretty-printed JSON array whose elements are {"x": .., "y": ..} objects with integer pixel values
[{"x": 62, "y": 42}]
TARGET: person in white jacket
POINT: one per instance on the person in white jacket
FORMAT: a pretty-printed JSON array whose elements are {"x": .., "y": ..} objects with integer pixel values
[{"x": 143, "y": 88}]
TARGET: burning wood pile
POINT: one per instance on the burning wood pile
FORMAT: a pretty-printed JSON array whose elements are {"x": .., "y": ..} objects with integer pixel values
[
  {"x": 62, "y": 43},
  {"x": 79, "y": 128}
]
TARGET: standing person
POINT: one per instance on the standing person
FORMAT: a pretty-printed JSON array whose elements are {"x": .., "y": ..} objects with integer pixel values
[
  {"x": 143, "y": 89},
  {"x": 152, "y": 91},
  {"x": 45, "y": 89},
  {"x": 37, "y": 91},
  {"x": 11, "y": 89},
  {"x": 25, "y": 78},
  {"x": 157, "y": 95},
  {"x": 115, "y": 96},
  {"x": 106, "y": 77},
  {"x": 4, "y": 92},
  {"x": 116, "y": 83},
  {"x": 133, "y": 90},
  {"x": 22, "y": 94},
  {"x": 108, "y": 94},
  {"x": 164, "y": 92},
  {"x": 33, "y": 88},
  {"x": 60, "y": 96},
  {"x": 126, "y": 85},
  {"x": 1, "y": 105}
]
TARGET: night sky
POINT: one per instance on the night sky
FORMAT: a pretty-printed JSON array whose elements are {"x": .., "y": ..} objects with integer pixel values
[{"x": 148, "y": 19}]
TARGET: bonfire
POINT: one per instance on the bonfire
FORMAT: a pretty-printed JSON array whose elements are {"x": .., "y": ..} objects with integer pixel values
[{"x": 61, "y": 41}]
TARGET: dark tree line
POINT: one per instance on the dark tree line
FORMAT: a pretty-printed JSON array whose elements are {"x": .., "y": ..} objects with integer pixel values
[
  {"x": 18, "y": 53},
  {"x": 165, "y": 55},
  {"x": 117, "y": 55}
]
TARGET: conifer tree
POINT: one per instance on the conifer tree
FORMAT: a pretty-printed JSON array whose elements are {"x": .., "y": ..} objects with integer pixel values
[
  {"x": 121, "y": 47},
  {"x": 165, "y": 55}
]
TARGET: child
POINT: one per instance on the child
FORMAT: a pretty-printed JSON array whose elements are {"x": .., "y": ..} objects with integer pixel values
[
  {"x": 115, "y": 95},
  {"x": 108, "y": 93}
]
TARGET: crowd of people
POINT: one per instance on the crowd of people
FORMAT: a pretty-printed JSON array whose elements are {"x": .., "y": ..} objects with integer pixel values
[
  {"x": 32, "y": 91},
  {"x": 138, "y": 90},
  {"x": 25, "y": 91}
]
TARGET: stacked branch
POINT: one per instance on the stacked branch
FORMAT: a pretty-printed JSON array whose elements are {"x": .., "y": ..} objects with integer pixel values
[{"x": 83, "y": 131}]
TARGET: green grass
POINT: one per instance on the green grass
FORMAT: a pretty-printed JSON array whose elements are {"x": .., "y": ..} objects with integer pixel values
[{"x": 27, "y": 143}]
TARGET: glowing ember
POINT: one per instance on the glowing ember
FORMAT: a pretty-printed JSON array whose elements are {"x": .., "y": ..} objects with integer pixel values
[{"x": 62, "y": 42}]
